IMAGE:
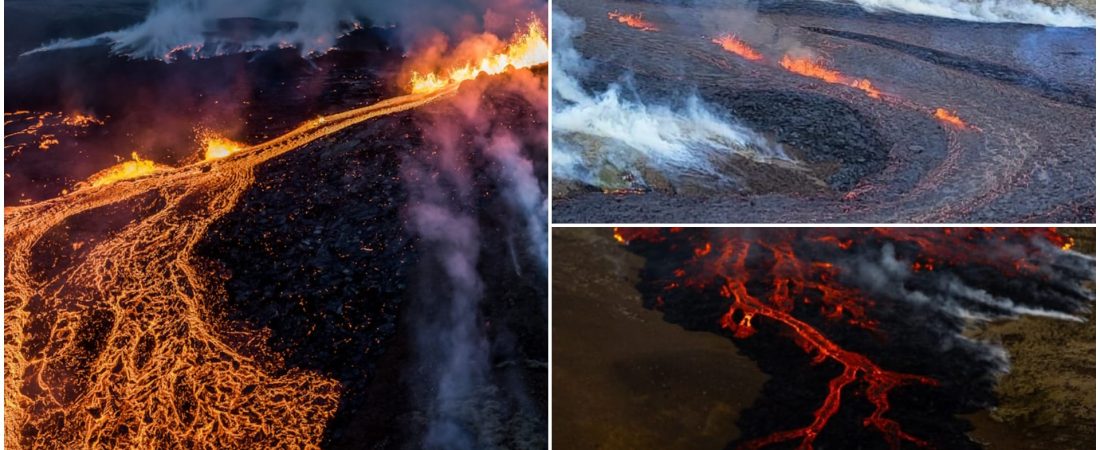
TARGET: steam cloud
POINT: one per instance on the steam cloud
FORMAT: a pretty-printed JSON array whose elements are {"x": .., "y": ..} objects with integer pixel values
[
  {"x": 197, "y": 28},
  {"x": 631, "y": 136},
  {"x": 469, "y": 403},
  {"x": 996, "y": 11},
  {"x": 957, "y": 296}
]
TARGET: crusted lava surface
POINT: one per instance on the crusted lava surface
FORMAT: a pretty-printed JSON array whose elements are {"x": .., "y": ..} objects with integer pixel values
[{"x": 1026, "y": 93}]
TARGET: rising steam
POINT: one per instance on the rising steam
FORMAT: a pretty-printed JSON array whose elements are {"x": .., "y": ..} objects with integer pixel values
[
  {"x": 996, "y": 11},
  {"x": 465, "y": 400},
  {"x": 181, "y": 29},
  {"x": 892, "y": 308},
  {"x": 196, "y": 28},
  {"x": 595, "y": 132}
]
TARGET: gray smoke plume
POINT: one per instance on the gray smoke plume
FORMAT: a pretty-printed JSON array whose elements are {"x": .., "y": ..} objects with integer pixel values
[
  {"x": 177, "y": 29},
  {"x": 470, "y": 403}
]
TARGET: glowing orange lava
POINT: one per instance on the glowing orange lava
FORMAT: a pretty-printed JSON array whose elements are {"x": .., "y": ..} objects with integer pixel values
[
  {"x": 131, "y": 355},
  {"x": 721, "y": 263},
  {"x": 633, "y": 21},
  {"x": 127, "y": 170},
  {"x": 732, "y": 44},
  {"x": 810, "y": 68},
  {"x": 81, "y": 120},
  {"x": 949, "y": 117},
  {"x": 217, "y": 147},
  {"x": 526, "y": 49}
]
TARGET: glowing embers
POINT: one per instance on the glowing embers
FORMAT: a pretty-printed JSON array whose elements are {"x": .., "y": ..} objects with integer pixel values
[
  {"x": 949, "y": 117},
  {"x": 732, "y": 44},
  {"x": 633, "y": 21},
  {"x": 81, "y": 120},
  {"x": 527, "y": 48},
  {"x": 809, "y": 68},
  {"x": 42, "y": 130},
  {"x": 127, "y": 170},
  {"x": 217, "y": 147}
]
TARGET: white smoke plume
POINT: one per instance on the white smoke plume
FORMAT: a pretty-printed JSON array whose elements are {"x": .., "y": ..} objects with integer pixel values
[
  {"x": 994, "y": 11},
  {"x": 449, "y": 338},
  {"x": 188, "y": 29},
  {"x": 522, "y": 190},
  {"x": 684, "y": 139},
  {"x": 884, "y": 274},
  {"x": 469, "y": 403}
]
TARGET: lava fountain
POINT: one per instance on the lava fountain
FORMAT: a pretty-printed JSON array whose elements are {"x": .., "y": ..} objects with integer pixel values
[{"x": 527, "y": 48}]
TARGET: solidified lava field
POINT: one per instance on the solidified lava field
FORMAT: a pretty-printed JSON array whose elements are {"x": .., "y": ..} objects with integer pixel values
[
  {"x": 834, "y": 338},
  {"x": 866, "y": 148},
  {"x": 302, "y": 291}
]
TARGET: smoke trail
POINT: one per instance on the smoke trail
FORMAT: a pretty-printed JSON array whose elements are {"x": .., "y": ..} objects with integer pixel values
[
  {"x": 176, "y": 29},
  {"x": 198, "y": 28},
  {"x": 447, "y": 332},
  {"x": 596, "y": 132},
  {"x": 996, "y": 11},
  {"x": 522, "y": 190},
  {"x": 951, "y": 297},
  {"x": 470, "y": 403}
]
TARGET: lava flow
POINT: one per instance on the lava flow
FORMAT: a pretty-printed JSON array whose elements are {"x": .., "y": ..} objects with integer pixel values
[
  {"x": 42, "y": 130},
  {"x": 949, "y": 117},
  {"x": 526, "y": 49},
  {"x": 114, "y": 345},
  {"x": 813, "y": 284},
  {"x": 633, "y": 21},
  {"x": 810, "y": 68},
  {"x": 732, "y": 44}
]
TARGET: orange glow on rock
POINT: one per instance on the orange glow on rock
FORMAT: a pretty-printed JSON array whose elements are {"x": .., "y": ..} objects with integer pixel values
[{"x": 732, "y": 44}]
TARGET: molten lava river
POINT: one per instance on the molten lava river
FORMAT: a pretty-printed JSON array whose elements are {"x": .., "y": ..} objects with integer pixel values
[
  {"x": 114, "y": 336},
  {"x": 867, "y": 334}
]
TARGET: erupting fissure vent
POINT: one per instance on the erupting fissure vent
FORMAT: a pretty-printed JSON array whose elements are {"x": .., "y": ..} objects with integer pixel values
[
  {"x": 527, "y": 48},
  {"x": 112, "y": 345},
  {"x": 810, "y": 283}
]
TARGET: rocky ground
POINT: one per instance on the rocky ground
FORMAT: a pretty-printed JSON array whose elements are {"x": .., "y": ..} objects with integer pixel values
[
  {"x": 1026, "y": 91},
  {"x": 321, "y": 258},
  {"x": 1049, "y": 398}
]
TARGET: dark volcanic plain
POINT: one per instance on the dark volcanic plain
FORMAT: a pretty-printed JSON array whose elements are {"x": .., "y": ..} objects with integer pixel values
[{"x": 1027, "y": 91}]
